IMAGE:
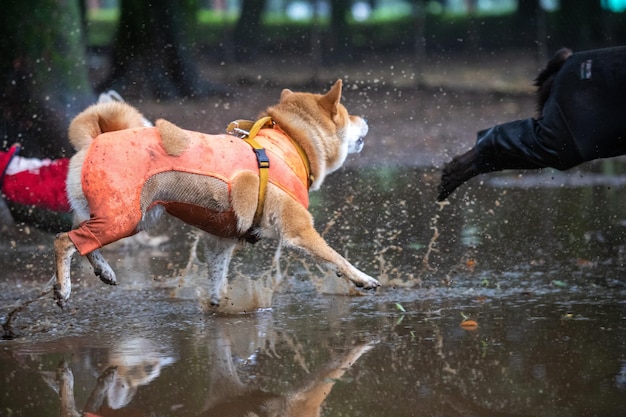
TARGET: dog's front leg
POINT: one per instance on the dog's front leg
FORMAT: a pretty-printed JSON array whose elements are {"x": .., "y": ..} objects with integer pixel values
[
  {"x": 301, "y": 234},
  {"x": 63, "y": 250},
  {"x": 101, "y": 268},
  {"x": 219, "y": 252},
  {"x": 312, "y": 243}
]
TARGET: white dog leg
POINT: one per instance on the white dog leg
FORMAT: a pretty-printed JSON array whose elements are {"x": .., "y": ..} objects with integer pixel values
[
  {"x": 219, "y": 252},
  {"x": 101, "y": 268},
  {"x": 313, "y": 244}
]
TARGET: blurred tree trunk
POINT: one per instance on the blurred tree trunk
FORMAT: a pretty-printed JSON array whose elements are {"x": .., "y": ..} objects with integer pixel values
[
  {"x": 419, "y": 16},
  {"x": 154, "y": 54},
  {"x": 530, "y": 25},
  {"x": 526, "y": 19},
  {"x": 247, "y": 30},
  {"x": 473, "y": 41},
  {"x": 43, "y": 74},
  {"x": 339, "y": 30},
  {"x": 581, "y": 24}
]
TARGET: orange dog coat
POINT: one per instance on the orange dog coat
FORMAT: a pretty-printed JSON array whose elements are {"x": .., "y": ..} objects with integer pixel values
[{"x": 118, "y": 164}]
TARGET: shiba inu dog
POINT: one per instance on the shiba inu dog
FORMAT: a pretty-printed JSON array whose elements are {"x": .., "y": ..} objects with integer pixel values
[{"x": 234, "y": 188}]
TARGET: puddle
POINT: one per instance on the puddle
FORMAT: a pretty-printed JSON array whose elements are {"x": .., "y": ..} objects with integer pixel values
[{"x": 539, "y": 268}]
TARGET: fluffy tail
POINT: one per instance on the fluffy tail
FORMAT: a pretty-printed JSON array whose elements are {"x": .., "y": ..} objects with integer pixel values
[{"x": 101, "y": 118}]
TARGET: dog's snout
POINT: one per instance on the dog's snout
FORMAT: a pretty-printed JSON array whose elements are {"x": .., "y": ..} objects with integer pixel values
[{"x": 357, "y": 146}]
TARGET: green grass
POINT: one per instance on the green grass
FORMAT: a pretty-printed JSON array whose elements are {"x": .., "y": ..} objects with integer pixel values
[
  {"x": 277, "y": 28},
  {"x": 101, "y": 26},
  {"x": 385, "y": 30}
]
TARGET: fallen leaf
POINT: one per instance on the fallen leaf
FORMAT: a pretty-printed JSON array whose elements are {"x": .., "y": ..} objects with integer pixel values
[
  {"x": 469, "y": 324},
  {"x": 470, "y": 264}
]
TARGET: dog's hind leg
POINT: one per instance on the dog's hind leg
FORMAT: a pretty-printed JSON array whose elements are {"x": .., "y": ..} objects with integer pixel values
[
  {"x": 218, "y": 252},
  {"x": 63, "y": 251},
  {"x": 101, "y": 268},
  {"x": 87, "y": 238}
]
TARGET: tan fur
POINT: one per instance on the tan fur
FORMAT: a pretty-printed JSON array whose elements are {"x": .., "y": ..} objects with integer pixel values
[
  {"x": 321, "y": 143},
  {"x": 244, "y": 199},
  {"x": 322, "y": 127},
  {"x": 101, "y": 118},
  {"x": 174, "y": 139}
]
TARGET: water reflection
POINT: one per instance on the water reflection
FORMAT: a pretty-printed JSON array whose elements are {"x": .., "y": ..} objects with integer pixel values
[
  {"x": 328, "y": 355},
  {"x": 222, "y": 371},
  {"x": 121, "y": 371}
]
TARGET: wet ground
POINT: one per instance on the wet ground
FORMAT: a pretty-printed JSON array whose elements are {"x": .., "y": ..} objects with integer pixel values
[{"x": 508, "y": 301}]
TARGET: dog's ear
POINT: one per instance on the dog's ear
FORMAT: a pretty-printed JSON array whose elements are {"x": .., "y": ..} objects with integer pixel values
[
  {"x": 330, "y": 100},
  {"x": 285, "y": 93}
]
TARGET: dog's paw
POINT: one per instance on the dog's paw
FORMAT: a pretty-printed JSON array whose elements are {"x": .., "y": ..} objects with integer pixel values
[
  {"x": 106, "y": 274},
  {"x": 61, "y": 295},
  {"x": 101, "y": 268},
  {"x": 366, "y": 282}
]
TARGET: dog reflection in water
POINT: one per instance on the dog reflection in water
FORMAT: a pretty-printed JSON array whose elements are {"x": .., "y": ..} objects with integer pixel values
[
  {"x": 226, "y": 396},
  {"x": 133, "y": 363},
  {"x": 229, "y": 397}
]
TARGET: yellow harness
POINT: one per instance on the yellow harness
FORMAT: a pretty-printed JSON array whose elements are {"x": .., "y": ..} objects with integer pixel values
[{"x": 247, "y": 130}]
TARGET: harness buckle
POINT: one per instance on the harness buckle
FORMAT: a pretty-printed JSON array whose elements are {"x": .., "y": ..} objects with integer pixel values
[
  {"x": 262, "y": 159},
  {"x": 234, "y": 129},
  {"x": 240, "y": 133}
]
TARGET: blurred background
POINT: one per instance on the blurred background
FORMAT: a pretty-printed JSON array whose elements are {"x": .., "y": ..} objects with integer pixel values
[{"x": 58, "y": 55}]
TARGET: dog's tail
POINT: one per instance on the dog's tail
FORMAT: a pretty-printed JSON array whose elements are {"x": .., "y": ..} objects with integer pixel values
[
  {"x": 101, "y": 118},
  {"x": 544, "y": 80}
]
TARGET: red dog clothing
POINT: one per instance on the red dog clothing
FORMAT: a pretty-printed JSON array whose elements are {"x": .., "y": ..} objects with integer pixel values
[
  {"x": 118, "y": 165},
  {"x": 32, "y": 181}
]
